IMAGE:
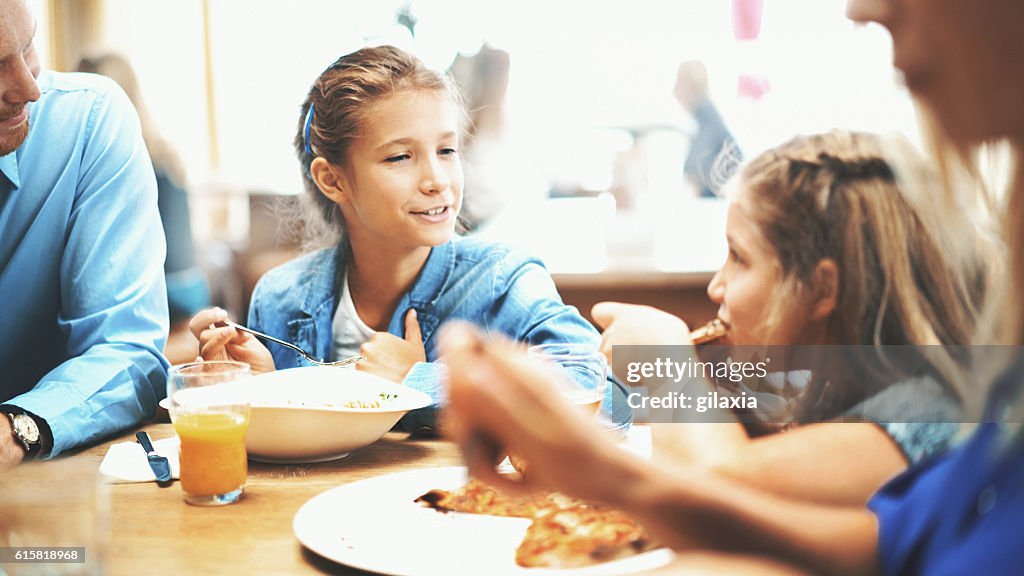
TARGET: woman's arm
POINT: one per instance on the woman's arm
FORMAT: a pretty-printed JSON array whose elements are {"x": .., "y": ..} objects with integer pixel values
[
  {"x": 836, "y": 463},
  {"x": 708, "y": 563},
  {"x": 500, "y": 400},
  {"x": 702, "y": 511}
]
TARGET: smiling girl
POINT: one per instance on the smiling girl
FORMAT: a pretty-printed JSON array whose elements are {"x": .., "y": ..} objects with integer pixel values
[{"x": 378, "y": 141}]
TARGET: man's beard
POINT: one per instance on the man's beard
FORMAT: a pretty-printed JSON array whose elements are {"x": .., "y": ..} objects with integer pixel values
[
  {"x": 10, "y": 142},
  {"x": 11, "y": 139}
]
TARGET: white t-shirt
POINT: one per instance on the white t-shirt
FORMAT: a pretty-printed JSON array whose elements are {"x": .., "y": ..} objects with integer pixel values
[{"x": 349, "y": 329}]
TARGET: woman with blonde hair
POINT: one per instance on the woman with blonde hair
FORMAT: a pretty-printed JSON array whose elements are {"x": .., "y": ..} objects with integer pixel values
[{"x": 956, "y": 514}]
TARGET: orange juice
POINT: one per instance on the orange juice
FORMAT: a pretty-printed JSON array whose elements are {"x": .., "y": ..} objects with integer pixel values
[{"x": 213, "y": 459}]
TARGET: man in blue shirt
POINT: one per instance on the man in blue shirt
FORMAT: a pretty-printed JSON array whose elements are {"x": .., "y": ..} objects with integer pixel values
[{"x": 83, "y": 310}]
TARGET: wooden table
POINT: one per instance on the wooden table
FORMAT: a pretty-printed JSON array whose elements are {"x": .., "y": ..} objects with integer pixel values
[
  {"x": 684, "y": 294},
  {"x": 154, "y": 532}
]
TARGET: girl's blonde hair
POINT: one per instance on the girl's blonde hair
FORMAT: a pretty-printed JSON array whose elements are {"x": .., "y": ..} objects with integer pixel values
[
  {"x": 910, "y": 275},
  {"x": 972, "y": 173},
  {"x": 1008, "y": 303},
  {"x": 847, "y": 196}
]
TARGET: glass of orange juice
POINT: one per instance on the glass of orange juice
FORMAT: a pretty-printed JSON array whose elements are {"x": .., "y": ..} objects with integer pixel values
[{"x": 210, "y": 411}]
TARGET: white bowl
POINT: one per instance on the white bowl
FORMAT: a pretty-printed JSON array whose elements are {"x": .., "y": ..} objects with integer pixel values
[{"x": 313, "y": 413}]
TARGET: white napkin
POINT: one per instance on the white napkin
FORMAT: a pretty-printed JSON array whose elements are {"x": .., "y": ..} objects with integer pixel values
[{"x": 126, "y": 461}]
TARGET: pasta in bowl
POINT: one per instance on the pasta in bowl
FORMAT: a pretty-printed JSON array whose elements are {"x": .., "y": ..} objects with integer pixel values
[{"x": 315, "y": 413}]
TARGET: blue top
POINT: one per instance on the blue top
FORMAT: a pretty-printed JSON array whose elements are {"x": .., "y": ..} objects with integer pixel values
[
  {"x": 491, "y": 285},
  {"x": 960, "y": 513},
  {"x": 83, "y": 308},
  {"x": 711, "y": 141},
  {"x": 187, "y": 290},
  {"x": 919, "y": 414}
]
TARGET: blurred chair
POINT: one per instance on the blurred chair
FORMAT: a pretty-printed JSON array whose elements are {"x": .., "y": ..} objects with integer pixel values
[{"x": 275, "y": 237}]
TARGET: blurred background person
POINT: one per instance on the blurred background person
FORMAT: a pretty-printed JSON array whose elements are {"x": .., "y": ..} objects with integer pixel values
[
  {"x": 187, "y": 289},
  {"x": 483, "y": 80},
  {"x": 713, "y": 153}
]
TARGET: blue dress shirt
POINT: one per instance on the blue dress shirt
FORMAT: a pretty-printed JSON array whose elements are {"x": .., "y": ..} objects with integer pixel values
[
  {"x": 83, "y": 307},
  {"x": 497, "y": 288}
]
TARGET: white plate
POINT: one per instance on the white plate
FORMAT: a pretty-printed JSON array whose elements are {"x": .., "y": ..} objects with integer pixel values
[{"x": 375, "y": 525}]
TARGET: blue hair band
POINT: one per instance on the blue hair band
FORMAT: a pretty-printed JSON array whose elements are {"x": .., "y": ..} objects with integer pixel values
[{"x": 305, "y": 130}]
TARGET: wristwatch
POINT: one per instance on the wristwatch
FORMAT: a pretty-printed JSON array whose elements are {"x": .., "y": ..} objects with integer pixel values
[{"x": 26, "y": 432}]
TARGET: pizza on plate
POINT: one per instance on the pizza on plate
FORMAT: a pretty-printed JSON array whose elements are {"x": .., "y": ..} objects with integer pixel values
[{"x": 564, "y": 532}]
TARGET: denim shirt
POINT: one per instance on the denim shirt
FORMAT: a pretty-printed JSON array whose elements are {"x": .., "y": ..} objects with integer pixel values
[{"x": 495, "y": 287}]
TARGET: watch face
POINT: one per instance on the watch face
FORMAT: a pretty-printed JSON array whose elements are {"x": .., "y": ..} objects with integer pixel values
[{"x": 25, "y": 427}]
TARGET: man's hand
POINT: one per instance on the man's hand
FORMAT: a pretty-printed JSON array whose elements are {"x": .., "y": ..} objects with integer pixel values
[
  {"x": 392, "y": 357},
  {"x": 11, "y": 451}
]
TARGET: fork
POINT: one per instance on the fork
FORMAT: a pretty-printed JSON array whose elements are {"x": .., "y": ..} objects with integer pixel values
[{"x": 306, "y": 355}]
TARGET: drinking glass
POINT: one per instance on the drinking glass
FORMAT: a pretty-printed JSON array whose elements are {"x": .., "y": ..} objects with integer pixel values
[
  {"x": 210, "y": 411},
  {"x": 55, "y": 526},
  {"x": 583, "y": 369},
  {"x": 580, "y": 371}
]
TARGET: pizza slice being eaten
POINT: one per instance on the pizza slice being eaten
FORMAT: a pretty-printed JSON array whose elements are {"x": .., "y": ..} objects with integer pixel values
[{"x": 564, "y": 532}]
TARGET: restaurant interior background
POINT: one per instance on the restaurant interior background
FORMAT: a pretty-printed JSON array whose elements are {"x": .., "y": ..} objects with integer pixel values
[{"x": 579, "y": 159}]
